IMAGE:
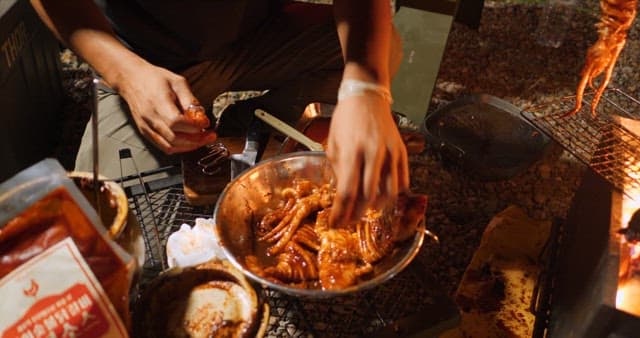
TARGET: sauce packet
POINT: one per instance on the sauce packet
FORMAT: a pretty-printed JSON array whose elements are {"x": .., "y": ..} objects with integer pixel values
[{"x": 55, "y": 258}]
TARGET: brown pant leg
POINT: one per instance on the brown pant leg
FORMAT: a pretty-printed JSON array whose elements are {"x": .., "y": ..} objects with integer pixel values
[
  {"x": 295, "y": 55},
  {"x": 116, "y": 130}
]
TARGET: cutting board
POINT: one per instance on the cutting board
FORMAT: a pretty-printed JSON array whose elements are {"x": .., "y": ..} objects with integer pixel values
[{"x": 201, "y": 189}]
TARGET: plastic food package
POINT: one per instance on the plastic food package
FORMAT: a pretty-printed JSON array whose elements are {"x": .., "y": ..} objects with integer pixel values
[{"x": 64, "y": 274}]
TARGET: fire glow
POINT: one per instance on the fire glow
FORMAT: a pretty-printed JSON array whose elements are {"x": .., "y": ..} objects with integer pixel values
[{"x": 628, "y": 294}]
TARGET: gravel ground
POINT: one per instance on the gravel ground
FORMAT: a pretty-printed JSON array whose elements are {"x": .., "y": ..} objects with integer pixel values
[{"x": 500, "y": 58}]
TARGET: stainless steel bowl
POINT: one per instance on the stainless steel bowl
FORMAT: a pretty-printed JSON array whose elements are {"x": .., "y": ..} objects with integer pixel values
[{"x": 248, "y": 197}]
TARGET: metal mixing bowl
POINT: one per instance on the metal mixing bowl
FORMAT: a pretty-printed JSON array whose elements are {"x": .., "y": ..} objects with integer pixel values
[{"x": 249, "y": 196}]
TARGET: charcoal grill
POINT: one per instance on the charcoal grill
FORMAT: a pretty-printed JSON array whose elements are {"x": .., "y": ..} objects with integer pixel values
[
  {"x": 609, "y": 142},
  {"x": 411, "y": 303},
  {"x": 576, "y": 293}
]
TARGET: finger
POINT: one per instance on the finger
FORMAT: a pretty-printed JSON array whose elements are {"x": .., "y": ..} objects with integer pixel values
[
  {"x": 153, "y": 137},
  {"x": 171, "y": 142},
  {"x": 388, "y": 183},
  {"x": 371, "y": 181},
  {"x": 183, "y": 93},
  {"x": 152, "y": 127},
  {"x": 159, "y": 128},
  {"x": 195, "y": 140},
  {"x": 348, "y": 183},
  {"x": 404, "y": 181},
  {"x": 189, "y": 142},
  {"x": 187, "y": 123},
  {"x": 183, "y": 126}
]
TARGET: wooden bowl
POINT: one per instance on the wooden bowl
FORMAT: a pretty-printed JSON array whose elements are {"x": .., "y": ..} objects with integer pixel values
[
  {"x": 212, "y": 299},
  {"x": 117, "y": 218}
]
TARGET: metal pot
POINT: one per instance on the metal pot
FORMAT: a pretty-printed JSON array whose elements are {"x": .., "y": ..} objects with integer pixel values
[{"x": 248, "y": 197}]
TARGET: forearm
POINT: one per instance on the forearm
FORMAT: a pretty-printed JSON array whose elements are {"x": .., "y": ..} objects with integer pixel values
[
  {"x": 364, "y": 29},
  {"x": 82, "y": 27}
]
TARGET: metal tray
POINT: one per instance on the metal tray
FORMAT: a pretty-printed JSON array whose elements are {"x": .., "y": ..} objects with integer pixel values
[
  {"x": 411, "y": 303},
  {"x": 608, "y": 143},
  {"x": 485, "y": 136}
]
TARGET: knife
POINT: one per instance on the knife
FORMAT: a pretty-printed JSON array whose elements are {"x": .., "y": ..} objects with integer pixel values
[{"x": 255, "y": 143}]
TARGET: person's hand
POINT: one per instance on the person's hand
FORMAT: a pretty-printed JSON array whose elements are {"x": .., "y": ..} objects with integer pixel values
[
  {"x": 367, "y": 154},
  {"x": 157, "y": 99}
]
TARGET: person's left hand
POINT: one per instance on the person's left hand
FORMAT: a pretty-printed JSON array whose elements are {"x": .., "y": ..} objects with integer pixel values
[{"x": 367, "y": 154}]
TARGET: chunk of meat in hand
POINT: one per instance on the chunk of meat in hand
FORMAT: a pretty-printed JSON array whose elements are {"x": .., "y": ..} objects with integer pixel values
[
  {"x": 196, "y": 115},
  {"x": 295, "y": 264}
]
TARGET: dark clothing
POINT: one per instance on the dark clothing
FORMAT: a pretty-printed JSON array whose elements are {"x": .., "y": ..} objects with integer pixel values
[
  {"x": 219, "y": 46},
  {"x": 177, "y": 34}
]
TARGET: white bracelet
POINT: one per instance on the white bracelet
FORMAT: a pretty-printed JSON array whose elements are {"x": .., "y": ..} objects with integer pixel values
[{"x": 353, "y": 87}]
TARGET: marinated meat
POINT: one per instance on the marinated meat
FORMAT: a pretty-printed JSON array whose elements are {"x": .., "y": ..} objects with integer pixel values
[
  {"x": 295, "y": 264},
  {"x": 308, "y": 250},
  {"x": 615, "y": 20},
  {"x": 339, "y": 259},
  {"x": 375, "y": 236}
]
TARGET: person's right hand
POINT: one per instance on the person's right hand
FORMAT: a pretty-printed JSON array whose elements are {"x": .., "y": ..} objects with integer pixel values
[{"x": 157, "y": 99}]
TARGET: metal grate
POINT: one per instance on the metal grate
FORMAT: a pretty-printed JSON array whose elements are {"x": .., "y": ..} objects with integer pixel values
[
  {"x": 541, "y": 300},
  {"x": 609, "y": 142},
  {"x": 411, "y": 302}
]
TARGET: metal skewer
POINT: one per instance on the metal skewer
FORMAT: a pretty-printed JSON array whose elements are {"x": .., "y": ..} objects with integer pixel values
[
  {"x": 289, "y": 131},
  {"x": 95, "y": 146}
]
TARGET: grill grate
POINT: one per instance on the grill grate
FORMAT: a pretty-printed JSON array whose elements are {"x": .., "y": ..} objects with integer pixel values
[
  {"x": 411, "y": 298},
  {"x": 608, "y": 143}
]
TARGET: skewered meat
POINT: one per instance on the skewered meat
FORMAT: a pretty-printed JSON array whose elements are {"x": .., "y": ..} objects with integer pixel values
[
  {"x": 307, "y": 249},
  {"x": 615, "y": 20}
]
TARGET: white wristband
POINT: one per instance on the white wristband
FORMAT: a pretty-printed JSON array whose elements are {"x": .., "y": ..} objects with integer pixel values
[{"x": 353, "y": 87}]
